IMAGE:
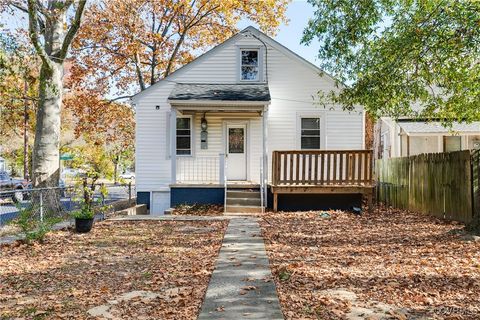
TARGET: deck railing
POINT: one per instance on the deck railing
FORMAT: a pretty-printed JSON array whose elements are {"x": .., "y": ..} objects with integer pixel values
[
  {"x": 322, "y": 167},
  {"x": 204, "y": 169}
]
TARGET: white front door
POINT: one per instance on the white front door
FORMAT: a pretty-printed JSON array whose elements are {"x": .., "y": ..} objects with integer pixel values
[{"x": 236, "y": 151}]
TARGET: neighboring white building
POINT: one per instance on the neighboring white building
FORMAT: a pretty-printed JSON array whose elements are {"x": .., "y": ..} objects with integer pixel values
[
  {"x": 408, "y": 137},
  {"x": 242, "y": 99}
]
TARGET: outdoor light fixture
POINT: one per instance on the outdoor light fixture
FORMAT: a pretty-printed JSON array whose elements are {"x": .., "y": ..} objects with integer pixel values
[
  {"x": 204, "y": 124},
  {"x": 203, "y": 133}
]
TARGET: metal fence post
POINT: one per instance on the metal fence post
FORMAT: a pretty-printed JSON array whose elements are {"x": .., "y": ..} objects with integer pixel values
[
  {"x": 101, "y": 193},
  {"x": 129, "y": 191},
  {"x": 41, "y": 206}
]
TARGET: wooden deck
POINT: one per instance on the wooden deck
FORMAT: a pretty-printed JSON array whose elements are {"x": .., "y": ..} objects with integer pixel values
[{"x": 322, "y": 172}]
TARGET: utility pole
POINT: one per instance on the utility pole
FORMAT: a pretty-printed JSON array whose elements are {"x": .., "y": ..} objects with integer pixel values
[{"x": 26, "y": 174}]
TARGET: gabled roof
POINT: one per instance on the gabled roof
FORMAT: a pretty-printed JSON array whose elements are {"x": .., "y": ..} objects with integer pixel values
[
  {"x": 220, "y": 92},
  {"x": 268, "y": 40}
]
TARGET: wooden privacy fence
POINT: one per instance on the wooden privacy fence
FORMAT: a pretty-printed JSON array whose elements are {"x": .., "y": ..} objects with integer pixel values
[
  {"x": 322, "y": 167},
  {"x": 439, "y": 184}
]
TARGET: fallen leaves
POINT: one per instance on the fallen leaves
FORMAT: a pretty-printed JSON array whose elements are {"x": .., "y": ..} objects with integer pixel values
[
  {"x": 129, "y": 270},
  {"x": 414, "y": 264},
  {"x": 198, "y": 210}
]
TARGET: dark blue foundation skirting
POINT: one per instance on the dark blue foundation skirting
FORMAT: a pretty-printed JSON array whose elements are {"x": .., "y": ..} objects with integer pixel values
[
  {"x": 143, "y": 197},
  {"x": 186, "y": 195},
  {"x": 305, "y": 202}
]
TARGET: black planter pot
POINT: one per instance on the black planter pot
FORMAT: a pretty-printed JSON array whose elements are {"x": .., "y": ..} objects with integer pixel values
[{"x": 83, "y": 225}]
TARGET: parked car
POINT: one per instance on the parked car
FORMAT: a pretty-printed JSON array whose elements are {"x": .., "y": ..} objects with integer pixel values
[
  {"x": 17, "y": 186},
  {"x": 127, "y": 175}
]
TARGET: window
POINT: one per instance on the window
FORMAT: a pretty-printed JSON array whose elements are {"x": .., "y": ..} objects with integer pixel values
[
  {"x": 249, "y": 65},
  {"x": 452, "y": 143},
  {"x": 184, "y": 136},
  {"x": 310, "y": 133}
]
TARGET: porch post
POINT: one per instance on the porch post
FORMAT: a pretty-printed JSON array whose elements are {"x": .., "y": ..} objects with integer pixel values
[
  {"x": 173, "y": 145},
  {"x": 221, "y": 167},
  {"x": 265, "y": 151}
]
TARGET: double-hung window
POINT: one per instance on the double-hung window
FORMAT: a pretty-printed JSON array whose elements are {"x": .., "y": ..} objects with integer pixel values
[
  {"x": 452, "y": 143},
  {"x": 310, "y": 133},
  {"x": 249, "y": 65},
  {"x": 184, "y": 136}
]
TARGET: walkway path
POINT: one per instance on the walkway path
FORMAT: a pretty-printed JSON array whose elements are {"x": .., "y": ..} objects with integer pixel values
[{"x": 242, "y": 286}]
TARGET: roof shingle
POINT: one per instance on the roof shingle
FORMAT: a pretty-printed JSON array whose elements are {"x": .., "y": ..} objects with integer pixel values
[{"x": 220, "y": 92}]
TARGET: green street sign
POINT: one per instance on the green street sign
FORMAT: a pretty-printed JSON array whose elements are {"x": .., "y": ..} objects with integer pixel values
[{"x": 66, "y": 157}]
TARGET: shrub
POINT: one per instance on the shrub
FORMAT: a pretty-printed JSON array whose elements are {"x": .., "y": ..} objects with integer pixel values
[{"x": 32, "y": 226}]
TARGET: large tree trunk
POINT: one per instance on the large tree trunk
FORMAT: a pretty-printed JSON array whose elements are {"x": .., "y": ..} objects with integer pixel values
[{"x": 46, "y": 158}]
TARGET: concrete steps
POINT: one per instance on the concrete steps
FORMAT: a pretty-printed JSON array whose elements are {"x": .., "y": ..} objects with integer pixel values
[{"x": 243, "y": 200}]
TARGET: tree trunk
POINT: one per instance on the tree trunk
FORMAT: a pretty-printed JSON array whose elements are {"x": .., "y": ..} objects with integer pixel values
[{"x": 46, "y": 158}]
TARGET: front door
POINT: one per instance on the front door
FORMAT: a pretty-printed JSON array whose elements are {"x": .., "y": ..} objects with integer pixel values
[{"x": 236, "y": 152}]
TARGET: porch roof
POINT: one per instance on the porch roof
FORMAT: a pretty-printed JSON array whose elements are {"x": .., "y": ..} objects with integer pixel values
[
  {"x": 183, "y": 92},
  {"x": 425, "y": 128}
]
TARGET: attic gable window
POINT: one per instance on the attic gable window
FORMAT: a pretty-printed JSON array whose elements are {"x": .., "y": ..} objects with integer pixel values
[{"x": 249, "y": 66}]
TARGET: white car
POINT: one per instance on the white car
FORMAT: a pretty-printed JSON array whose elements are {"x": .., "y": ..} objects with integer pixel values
[{"x": 128, "y": 175}]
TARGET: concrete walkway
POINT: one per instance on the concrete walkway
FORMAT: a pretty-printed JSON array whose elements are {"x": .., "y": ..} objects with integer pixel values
[{"x": 242, "y": 286}]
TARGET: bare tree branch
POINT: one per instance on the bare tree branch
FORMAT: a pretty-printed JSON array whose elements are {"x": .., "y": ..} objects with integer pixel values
[{"x": 73, "y": 29}]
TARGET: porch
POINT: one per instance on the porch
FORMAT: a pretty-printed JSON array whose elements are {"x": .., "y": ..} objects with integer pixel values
[{"x": 218, "y": 136}]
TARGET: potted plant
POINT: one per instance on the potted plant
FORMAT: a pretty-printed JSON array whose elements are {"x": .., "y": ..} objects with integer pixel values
[{"x": 84, "y": 219}]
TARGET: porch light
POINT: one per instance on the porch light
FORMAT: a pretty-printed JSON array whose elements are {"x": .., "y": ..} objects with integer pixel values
[
  {"x": 204, "y": 124},
  {"x": 203, "y": 133}
]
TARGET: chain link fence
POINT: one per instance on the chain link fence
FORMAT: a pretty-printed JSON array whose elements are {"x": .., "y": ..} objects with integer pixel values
[{"x": 56, "y": 203}]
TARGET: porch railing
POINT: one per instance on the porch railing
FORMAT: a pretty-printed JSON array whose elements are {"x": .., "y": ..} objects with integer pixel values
[
  {"x": 204, "y": 169},
  {"x": 322, "y": 167}
]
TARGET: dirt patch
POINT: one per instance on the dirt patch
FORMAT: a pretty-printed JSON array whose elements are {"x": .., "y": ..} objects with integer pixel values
[
  {"x": 392, "y": 263},
  {"x": 127, "y": 270}
]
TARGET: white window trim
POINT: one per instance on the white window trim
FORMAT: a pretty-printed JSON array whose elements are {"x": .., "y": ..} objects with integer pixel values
[
  {"x": 261, "y": 53},
  {"x": 321, "y": 116},
  {"x": 192, "y": 139}
]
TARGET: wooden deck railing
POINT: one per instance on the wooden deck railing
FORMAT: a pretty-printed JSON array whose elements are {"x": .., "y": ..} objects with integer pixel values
[{"x": 322, "y": 167}]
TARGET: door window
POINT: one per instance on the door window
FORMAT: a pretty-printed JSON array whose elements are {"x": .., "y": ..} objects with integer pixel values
[{"x": 236, "y": 140}]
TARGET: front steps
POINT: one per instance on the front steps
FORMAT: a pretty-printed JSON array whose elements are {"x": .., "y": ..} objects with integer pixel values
[{"x": 243, "y": 200}]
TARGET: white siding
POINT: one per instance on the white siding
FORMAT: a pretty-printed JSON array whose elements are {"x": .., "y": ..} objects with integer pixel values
[
  {"x": 292, "y": 84},
  {"x": 152, "y": 163}
]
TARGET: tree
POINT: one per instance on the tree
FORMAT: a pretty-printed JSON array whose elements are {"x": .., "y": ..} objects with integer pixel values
[
  {"x": 105, "y": 124},
  {"x": 19, "y": 87},
  {"x": 51, "y": 37},
  {"x": 131, "y": 44},
  {"x": 393, "y": 54}
]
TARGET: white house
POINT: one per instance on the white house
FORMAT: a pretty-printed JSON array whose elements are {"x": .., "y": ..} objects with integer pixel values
[
  {"x": 408, "y": 137},
  {"x": 216, "y": 121}
]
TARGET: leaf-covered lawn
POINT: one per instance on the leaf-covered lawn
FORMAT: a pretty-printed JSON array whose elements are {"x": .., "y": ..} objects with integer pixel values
[
  {"x": 128, "y": 270},
  {"x": 408, "y": 265}
]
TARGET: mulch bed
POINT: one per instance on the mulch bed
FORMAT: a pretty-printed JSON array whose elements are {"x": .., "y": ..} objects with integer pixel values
[
  {"x": 134, "y": 270},
  {"x": 418, "y": 264}
]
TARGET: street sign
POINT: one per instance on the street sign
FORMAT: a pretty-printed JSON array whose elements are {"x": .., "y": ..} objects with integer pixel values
[{"x": 66, "y": 157}]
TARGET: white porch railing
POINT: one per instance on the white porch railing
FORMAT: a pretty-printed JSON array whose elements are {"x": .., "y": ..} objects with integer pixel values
[{"x": 202, "y": 169}]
